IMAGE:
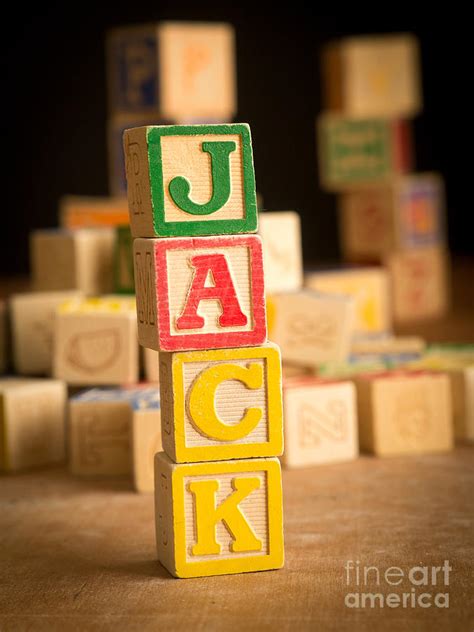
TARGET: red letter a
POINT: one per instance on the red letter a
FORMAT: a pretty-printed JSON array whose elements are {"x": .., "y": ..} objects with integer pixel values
[{"x": 222, "y": 291}]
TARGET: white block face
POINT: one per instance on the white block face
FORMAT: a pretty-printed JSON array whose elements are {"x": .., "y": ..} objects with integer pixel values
[
  {"x": 33, "y": 415},
  {"x": 311, "y": 328},
  {"x": 282, "y": 255},
  {"x": 183, "y": 156},
  {"x": 99, "y": 438},
  {"x": 253, "y": 507},
  {"x": 197, "y": 71},
  {"x": 96, "y": 348},
  {"x": 180, "y": 277},
  {"x": 382, "y": 77},
  {"x": 320, "y": 424},
  {"x": 33, "y": 317}
]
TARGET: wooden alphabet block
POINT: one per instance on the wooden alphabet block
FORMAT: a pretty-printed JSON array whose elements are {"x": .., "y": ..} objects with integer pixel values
[
  {"x": 373, "y": 76},
  {"x": 369, "y": 287},
  {"x": 152, "y": 365},
  {"x": 200, "y": 293},
  {"x": 407, "y": 213},
  {"x": 188, "y": 180},
  {"x": 386, "y": 343},
  {"x": 146, "y": 438},
  {"x": 282, "y": 255},
  {"x": 123, "y": 264},
  {"x": 99, "y": 434},
  {"x": 33, "y": 317},
  {"x": 32, "y": 420},
  {"x": 310, "y": 327},
  {"x": 92, "y": 212},
  {"x": 361, "y": 152},
  {"x": 181, "y": 70},
  {"x": 404, "y": 412},
  {"x": 320, "y": 422},
  {"x": 115, "y": 431},
  {"x": 96, "y": 342},
  {"x": 77, "y": 260},
  {"x": 419, "y": 282},
  {"x": 221, "y": 404},
  {"x": 218, "y": 518}
]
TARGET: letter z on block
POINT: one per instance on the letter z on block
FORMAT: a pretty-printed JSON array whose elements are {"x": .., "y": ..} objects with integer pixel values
[
  {"x": 200, "y": 293},
  {"x": 190, "y": 180},
  {"x": 218, "y": 518}
]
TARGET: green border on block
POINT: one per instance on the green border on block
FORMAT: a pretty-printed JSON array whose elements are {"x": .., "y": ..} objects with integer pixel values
[{"x": 248, "y": 224}]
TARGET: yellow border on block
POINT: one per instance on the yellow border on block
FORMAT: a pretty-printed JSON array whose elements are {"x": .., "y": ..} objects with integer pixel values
[
  {"x": 272, "y": 560},
  {"x": 274, "y": 444}
]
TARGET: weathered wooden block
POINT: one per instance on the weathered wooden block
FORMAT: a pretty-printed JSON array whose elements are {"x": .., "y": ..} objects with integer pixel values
[
  {"x": 387, "y": 343},
  {"x": 218, "y": 518},
  {"x": 320, "y": 422},
  {"x": 95, "y": 342},
  {"x": 92, "y": 212},
  {"x": 406, "y": 213},
  {"x": 419, "y": 283},
  {"x": 404, "y": 412},
  {"x": 32, "y": 323},
  {"x": 200, "y": 293},
  {"x": 311, "y": 327},
  {"x": 146, "y": 438},
  {"x": 151, "y": 364},
  {"x": 187, "y": 180},
  {"x": 32, "y": 420},
  {"x": 221, "y": 404},
  {"x": 73, "y": 260},
  {"x": 282, "y": 254},
  {"x": 368, "y": 286},
  {"x": 115, "y": 431},
  {"x": 360, "y": 152},
  {"x": 373, "y": 76},
  {"x": 123, "y": 265},
  {"x": 181, "y": 70}
]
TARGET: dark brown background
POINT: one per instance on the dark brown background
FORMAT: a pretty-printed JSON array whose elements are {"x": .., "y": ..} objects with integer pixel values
[{"x": 55, "y": 109}]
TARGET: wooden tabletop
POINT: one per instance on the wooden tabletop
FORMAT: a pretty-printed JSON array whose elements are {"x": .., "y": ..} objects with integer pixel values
[{"x": 80, "y": 554}]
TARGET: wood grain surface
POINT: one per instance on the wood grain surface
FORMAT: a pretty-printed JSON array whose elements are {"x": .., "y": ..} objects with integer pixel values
[{"x": 80, "y": 555}]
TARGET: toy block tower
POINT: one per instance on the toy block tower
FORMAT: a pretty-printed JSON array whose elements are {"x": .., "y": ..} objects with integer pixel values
[{"x": 200, "y": 303}]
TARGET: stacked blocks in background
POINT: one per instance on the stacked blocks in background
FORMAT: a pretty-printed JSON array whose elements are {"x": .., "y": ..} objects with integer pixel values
[
  {"x": 387, "y": 214},
  {"x": 200, "y": 303}
]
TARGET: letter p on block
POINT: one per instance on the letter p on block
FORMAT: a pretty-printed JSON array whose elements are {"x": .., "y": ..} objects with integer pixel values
[{"x": 218, "y": 518}]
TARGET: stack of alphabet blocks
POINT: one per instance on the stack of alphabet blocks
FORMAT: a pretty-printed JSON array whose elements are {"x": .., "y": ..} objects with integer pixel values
[
  {"x": 388, "y": 214},
  {"x": 200, "y": 303}
]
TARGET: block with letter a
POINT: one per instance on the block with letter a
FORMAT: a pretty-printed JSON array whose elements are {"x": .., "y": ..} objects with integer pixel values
[
  {"x": 200, "y": 293},
  {"x": 216, "y": 518}
]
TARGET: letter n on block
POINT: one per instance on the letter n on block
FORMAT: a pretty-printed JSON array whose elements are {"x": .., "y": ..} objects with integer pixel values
[
  {"x": 200, "y": 293},
  {"x": 218, "y": 518},
  {"x": 221, "y": 404}
]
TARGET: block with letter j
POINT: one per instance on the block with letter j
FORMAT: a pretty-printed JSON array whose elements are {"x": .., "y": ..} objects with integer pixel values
[{"x": 189, "y": 180}]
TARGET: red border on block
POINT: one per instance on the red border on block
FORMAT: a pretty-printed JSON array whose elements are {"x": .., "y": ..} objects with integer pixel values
[{"x": 228, "y": 338}]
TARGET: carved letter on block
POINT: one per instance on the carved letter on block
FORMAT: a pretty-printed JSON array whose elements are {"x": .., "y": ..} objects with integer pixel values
[
  {"x": 217, "y": 518},
  {"x": 190, "y": 180},
  {"x": 404, "y": 412},
  {"x": 221, "y": 404},
  {"x": 200, "y": 293},
  {"x": 310, "y": 327},
  {"x": 320, "y": 422}
]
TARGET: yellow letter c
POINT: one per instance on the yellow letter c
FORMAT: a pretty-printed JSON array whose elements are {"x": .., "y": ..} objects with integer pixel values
[{"x": 202, "y": 401}]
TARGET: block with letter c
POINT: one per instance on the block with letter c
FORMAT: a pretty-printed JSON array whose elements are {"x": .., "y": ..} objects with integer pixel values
[{"x": 221, "y": 404}]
